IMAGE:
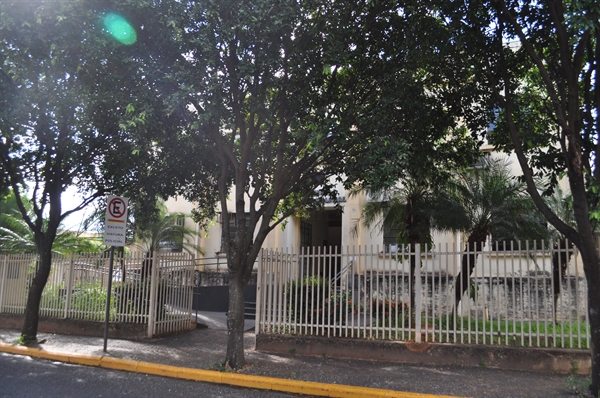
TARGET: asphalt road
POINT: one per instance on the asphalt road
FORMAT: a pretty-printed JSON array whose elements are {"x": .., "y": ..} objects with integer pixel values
[{"x": 22, "y": 376}]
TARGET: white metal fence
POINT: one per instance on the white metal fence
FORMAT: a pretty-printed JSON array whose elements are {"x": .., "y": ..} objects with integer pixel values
[
  {"x": 156, "y": 291},
  {"x": 515, "y": 295}
]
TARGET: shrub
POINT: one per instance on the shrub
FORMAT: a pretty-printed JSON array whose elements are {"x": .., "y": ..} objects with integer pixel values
[
  {"x": 133, "y": 298},
  {"x": 390, "y": 313},
  {"x": 313, "y": 301},
  {"x": 90, "y": 297},
  {"x": 88, "y": 300}
]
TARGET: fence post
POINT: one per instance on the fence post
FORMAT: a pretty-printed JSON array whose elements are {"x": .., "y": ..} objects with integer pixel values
[
  {"x": 69, "y": 286},
  {"x": 190, "y": 268},
  {"x": 3, "y": 281},
  {"x": 417, "y": 282},
  {"x": 153, "y": 294},
  {"x": 259, "y": 281}
]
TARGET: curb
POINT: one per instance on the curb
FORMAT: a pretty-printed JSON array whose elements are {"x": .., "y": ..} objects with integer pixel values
[
  {"x": 550, "y": 360},
  {"x": 211, "y": 376}
]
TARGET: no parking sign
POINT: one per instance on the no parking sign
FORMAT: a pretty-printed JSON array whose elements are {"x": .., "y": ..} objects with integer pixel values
[
  {"x": 115, "y": 221},
  {"x": 114, "y": 235}
]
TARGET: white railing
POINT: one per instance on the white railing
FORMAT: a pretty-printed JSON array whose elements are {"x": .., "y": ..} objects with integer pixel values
[
  {"x": 513, "y": 297},
  {"x": 159, "y": 296}
]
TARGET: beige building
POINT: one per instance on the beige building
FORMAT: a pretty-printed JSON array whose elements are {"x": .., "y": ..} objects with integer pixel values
[{"x": 332, "y": 227}]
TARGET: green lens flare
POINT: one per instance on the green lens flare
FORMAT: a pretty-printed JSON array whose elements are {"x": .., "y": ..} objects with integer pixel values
[{"x": 120, "y": 29}]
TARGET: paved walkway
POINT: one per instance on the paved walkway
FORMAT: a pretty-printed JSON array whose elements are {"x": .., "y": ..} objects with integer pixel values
[{"x": 198, "y": 355}]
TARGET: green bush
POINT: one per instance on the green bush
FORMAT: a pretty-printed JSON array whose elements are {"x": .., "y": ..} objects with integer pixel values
[
  {"x": 90, "y": 297},
  {"x": 312, "y": 300},
  {"x": 53, "y": 300},
  {"x": 391, "y": 313},
  {"x": 88, "y": 300},
  {"x": 133, "y": 298}
]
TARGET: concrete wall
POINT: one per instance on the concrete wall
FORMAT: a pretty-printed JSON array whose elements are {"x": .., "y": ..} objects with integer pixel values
[
  {"x": 78, "y": 327},
  {"x": 501, "y": 357}
]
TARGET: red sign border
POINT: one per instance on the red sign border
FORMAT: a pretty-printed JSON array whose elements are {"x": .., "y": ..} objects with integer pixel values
[{"x": 111, "y": 202}]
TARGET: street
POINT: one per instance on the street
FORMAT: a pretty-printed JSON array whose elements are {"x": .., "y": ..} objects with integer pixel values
[{"x": 22, "y": 376}]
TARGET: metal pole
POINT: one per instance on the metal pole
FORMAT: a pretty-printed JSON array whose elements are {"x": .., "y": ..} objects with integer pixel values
[{"x": 110, "y": 274}]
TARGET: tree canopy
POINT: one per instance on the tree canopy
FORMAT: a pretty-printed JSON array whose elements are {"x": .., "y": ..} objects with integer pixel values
[
  {"x": 537, "y": 65},
  {"x": 74, "y": 113},
  {"x": 279, "y": 100},
  {"x": 267, "y": 103}
]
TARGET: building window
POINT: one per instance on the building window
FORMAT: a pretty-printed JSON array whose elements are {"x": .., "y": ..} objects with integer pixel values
[
  {"x": 484, "y": 161},
  {"x": 305, "y": 234},
  {"x": 390, "y": 239},
  {"x": 175, "y": 242}
]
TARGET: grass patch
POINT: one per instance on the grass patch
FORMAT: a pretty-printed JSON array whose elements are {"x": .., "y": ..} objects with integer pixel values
[
  {"x": 518, "y": 334},
  {"x": 578, "y": 386}
]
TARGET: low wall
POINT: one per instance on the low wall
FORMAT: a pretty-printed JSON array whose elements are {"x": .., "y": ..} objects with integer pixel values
[
  {"x": 78, "y": 327},
  {"x": 527, "y": 359}
]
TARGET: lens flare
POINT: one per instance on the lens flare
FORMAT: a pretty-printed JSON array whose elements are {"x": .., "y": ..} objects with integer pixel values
[{"x": 120, "y": 29}]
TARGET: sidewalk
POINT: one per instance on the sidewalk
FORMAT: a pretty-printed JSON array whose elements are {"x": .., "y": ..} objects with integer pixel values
[{"x": 205, "y": 349}]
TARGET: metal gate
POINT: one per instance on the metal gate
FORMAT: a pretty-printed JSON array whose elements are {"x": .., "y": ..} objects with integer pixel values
[{"x": 172, "y": 292}]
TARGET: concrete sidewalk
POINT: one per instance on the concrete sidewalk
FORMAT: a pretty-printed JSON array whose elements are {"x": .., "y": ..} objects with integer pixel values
[{"x": 198, "y": 355}]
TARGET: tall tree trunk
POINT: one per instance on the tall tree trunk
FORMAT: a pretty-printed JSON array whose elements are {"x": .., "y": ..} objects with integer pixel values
[
  {"x": 34, "y": 297},
  {"x": 472, "y": 248},
  {"x": 235, "y": 322},
  {"x": 591, "y": 265}
]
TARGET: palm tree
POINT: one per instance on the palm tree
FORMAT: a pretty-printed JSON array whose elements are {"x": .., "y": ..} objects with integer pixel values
[
  {"x": 17, "y": 237},
  {"x": 14, "y": 233},
  {"x": 164, "y": 231},
  {"x": 407, "y": 209},
  {"x": 483, "y": 202}
]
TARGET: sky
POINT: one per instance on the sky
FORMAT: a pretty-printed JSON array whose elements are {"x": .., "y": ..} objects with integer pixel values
[{"x": 70, "y": 200}]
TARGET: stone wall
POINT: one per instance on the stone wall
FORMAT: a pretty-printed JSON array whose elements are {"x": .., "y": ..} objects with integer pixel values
[{"x": 523, "y": 297}]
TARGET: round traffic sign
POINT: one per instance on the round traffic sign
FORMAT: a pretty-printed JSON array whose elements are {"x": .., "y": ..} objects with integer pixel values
[{"x": 117, "y": 207}]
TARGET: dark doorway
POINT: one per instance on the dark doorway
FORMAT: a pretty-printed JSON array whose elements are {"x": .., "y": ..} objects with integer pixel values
[{"x": 322, "y": 233}]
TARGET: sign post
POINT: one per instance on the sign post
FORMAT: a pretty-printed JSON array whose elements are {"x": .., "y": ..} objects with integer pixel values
[{"x": 114, "y": 235}]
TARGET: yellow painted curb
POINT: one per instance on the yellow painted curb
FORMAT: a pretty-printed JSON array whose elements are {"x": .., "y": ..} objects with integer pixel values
[
  {"x": 117, "y": 364},
  {"x": 11, "y": 349},
  {"x": 85, "y": 359},
  {"x": 210, "y": 376},
  {"x": 155, "y": 369}
]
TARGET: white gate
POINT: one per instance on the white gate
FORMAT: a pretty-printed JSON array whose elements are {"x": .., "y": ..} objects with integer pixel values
[{"x": 172, "y": 292}]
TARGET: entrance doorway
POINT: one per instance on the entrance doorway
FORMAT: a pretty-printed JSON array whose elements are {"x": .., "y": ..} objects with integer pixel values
[{"x": 321, "y": 233}]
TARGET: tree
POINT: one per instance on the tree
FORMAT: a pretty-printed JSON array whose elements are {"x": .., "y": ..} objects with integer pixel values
[
  {"x": 17, "y": 237},
  {"x": 562, "y": 206},
  {"x": 406, "y": 208},
  {"x": 265, "y": 85},
  {"x": 164, "y": 230},
  {"x": 64, "y": 121},
  {"x": 480, "y": 202},
  {"x": 538, "y": 63},
  {"x": 484, "y": 202},
  {"x": 284, "y": 98}
]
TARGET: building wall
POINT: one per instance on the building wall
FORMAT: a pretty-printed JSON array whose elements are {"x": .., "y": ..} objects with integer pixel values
[{"x": 289, "y": 236}]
